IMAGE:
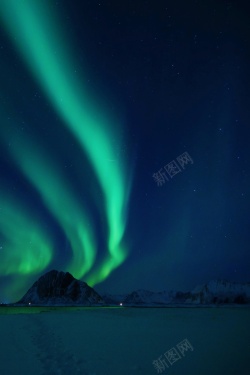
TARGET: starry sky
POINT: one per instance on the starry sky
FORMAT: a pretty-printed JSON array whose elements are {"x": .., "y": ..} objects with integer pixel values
[{"x": 124, "y": 134}]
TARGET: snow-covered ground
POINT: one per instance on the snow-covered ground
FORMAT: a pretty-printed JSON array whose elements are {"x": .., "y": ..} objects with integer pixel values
[{"x": 124, "y": 341}]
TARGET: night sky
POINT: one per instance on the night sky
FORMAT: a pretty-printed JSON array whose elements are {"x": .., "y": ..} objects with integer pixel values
[{"x": 124, "y": 132}]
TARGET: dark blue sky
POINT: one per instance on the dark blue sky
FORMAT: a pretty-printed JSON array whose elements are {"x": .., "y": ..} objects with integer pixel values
[{"x": 176, "y": 75}]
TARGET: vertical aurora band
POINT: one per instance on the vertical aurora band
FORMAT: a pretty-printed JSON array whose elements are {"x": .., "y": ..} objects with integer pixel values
[
  {"x": 27, "y": 246},
  {"x": 44, "y": 175},
  {"x": 38, "y": 37}
]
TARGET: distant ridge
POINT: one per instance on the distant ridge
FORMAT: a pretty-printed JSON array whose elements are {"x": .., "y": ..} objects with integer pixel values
[
  {"x": 221, "y": 292},
  {"x": 215, "y": 292}
]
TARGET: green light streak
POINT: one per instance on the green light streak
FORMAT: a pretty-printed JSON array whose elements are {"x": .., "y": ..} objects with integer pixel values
[
  {"x": 37, "y": 36},
  {"x": 44, "y": 174},
  {"x": 27, "y": 247}
]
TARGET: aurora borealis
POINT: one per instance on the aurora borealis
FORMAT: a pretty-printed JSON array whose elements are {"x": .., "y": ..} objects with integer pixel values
[
  {"x": 73, "y": 104},
  {"x": 38, "y": 39},
  {"x": 95, "y": 98}
]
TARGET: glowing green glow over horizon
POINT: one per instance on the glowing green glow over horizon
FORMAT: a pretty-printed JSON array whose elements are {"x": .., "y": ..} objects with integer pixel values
[
  {"x": 27, "y": 247},
  {"x": 39, "y": 38},
  {"x": 44, "y": 174}
]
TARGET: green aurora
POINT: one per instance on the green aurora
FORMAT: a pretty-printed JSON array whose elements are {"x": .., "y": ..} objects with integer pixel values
[
  {"x": 28, "y": 247},
  {"x": 37, "y": 35}
]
